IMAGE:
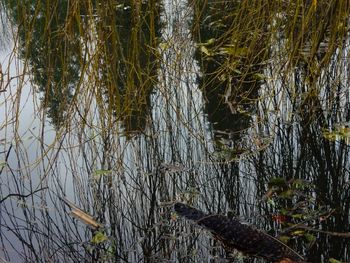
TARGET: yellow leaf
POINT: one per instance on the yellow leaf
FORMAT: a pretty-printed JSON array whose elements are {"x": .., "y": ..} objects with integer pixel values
[
  {"x": 82, "y": 216},
  {"x": 298, "y": 232},
  {"x": 85, "y": 218},
  {"x": 332, "y": 260},
  {"x": 205, "y": 50}
]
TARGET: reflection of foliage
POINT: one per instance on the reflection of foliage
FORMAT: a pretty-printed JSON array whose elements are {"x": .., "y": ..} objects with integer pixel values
[
  {"x": 340, "y": 133},
  {"x": 125, "y": 190},
  {"x": 231, "y": 51},
  {"x": 59, "y": 32},
  {"x": 128, "y": 36},
  {"x": 292, "y": 201},
  {"x": 295, "y": 208},
  {"x": 49, "y": 41},
  {"x": 237, "y": 37},
  {"x": 314, "y": 30},
  {"x": 3, "y": 29},
  {"x": 303, "y": 151}
]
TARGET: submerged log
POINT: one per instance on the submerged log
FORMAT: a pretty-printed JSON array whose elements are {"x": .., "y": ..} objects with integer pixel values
[{"x": 243, "y": 237}]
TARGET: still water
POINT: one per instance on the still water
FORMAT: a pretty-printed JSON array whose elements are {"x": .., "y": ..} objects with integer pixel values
[{"x": 122, "y": 120}]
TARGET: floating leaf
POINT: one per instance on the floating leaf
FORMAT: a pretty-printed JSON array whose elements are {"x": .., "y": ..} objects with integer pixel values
[
  {"x": 194, "y": 252},
  {"x": 102, "y": 172},
  {"x": 173, "y": 216},
  {"x": 120, "y": 6},
  {"x": 277, "y": 181},
  {"x": 205, "y": 51},
  {"x": 329, "y": 135},
  {"x": 164, "y": 46},
  {"x": 228, "y": 50},
  {"x": 298, "y": 216},
  {"x": 111, "y": 250},
  {"x": 237, "y": 71},
  {"x": 98, "y": 238},
  {"x": 298, "y": 232},
  {"x": 332, "y": 260},
  {"x": 284, "y": 211},
  {"x": 279, "y": 218},
  {"x": 287, "y": 194},
  {"x": 210, "y": 41},
  {"x": 284, "y": 239},
  {"x": 2, "y": 164},
  {"x": 344, "y": 132},
  {"x": 299, "y": 184},
  {"x": 271, "y": 202},
  {"x": 259, "y": 76},
  {"x": 310, "y": 238}
]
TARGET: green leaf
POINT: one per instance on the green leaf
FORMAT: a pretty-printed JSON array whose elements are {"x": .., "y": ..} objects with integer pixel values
[
  {"x": 259, "y": 76},
  {"x": 237, "y": 71},
  {"x": 98, "y": 238},
  {"x": 299, "y": 184},
  {"x": 271, "y": 202},
  {"x": 277, "y": 181},
  {"x": 287, "y": 194},
  {"x": 210, "y": 41},
  {"x": 298, "y": 216},
  {"x": 284, "y": 239},
  {"x": 284, "y": 211},
  {"x": 309, "y": 237},
  {"x": 2, "y": 164}
]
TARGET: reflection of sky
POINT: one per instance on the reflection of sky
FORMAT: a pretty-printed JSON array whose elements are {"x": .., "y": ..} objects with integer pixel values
[
  {"x": 20, "y": 127},
  {"x": 21, "y": 123},
  {"x": 178, "y": 98}
]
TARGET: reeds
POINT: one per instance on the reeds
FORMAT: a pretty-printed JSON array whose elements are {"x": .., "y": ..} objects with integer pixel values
[{"x": 230, "y": 93}]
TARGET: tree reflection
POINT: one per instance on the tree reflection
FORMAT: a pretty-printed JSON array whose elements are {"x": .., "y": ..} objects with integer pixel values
[
  {"x": 231, "y": 72},
  {"x": 57, "y": 46},
  {"x": 304, "y": 150},
  {"x": 49, "y": 43},
  {"x": 270, "y": 142},
  {"x": 128, "y": 37}
]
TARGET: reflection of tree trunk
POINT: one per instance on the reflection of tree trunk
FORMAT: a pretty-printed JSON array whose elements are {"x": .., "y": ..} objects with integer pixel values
[
  {"x": 327, "y": 161},
  {"x": 231, "y": 184}
]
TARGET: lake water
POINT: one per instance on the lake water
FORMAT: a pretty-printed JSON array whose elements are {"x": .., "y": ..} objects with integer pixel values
[{"x": 135, "y": 114}]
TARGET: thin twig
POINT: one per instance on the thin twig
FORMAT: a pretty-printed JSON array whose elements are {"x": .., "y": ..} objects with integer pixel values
[
  {"x": 331, "y": 233},
  {"x": 20, "y": 195}
]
